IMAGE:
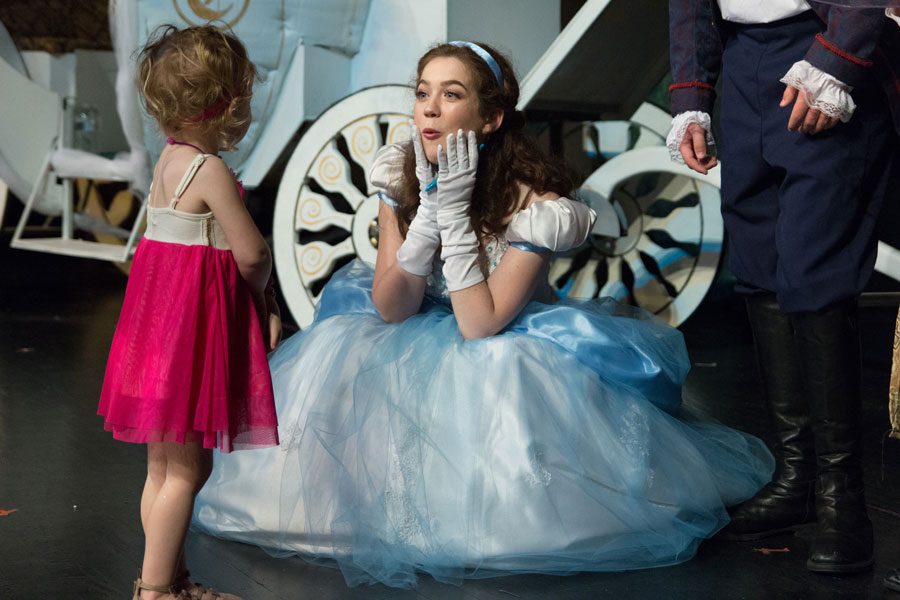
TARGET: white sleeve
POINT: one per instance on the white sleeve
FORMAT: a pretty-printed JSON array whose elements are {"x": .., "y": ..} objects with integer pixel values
[
  {"x": 679, "y": 127},
  {"x": 823, "y": 92},
  {"x": 554, "y": 225}
]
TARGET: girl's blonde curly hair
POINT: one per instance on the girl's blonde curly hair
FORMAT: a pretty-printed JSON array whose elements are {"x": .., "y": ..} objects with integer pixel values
[{"x": 198, "y": 78}]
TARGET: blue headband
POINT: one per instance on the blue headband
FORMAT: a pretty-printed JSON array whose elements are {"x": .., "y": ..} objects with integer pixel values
[{"x": 485, "y": 56}]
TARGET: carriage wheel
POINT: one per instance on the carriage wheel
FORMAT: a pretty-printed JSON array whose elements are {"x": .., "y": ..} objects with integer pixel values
[
  {"x": 326, "y": 210},
  {"x": 668, "y": 247}
]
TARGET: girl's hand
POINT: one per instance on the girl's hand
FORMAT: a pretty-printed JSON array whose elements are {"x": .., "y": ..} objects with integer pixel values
[
  {"x": 423, "y": 167},
  {"x": 456, "y": 182},
  {"x": 416, "y": 253},
  {"x": 273, "y": 329},
  {"x": 457, "y": 168}
]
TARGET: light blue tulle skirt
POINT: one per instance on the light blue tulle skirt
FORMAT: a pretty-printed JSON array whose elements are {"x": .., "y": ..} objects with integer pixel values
[{"x": 554, "y": 447}]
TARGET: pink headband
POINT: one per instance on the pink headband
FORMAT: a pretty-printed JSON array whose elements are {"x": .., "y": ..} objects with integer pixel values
[{"x": 213, "y": 111}]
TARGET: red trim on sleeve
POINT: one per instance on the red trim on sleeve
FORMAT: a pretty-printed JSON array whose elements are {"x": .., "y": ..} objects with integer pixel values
[
  {"x": 691, "y": 84},
  {"x": 862, "y": 62}
]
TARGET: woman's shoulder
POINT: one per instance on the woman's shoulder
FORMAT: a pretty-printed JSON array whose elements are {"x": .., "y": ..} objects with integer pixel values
[
  {"x": 527, "y": 198},
  {"x": 550, "y": 221}
]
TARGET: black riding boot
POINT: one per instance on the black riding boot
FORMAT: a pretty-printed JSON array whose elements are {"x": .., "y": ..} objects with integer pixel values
[
  {"x": 828, "y": 342},
  {"x": 786, "y": 502}
]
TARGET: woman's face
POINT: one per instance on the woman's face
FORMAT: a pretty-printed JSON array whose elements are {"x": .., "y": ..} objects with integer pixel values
[{"x": 446, "y": 101}]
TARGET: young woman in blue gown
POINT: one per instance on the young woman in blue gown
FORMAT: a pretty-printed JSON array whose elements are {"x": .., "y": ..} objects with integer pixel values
[{"x": 446, "y": 413}]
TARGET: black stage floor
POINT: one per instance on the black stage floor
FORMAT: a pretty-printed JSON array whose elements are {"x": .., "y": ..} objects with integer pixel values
[{"x": 75, "y": 530}]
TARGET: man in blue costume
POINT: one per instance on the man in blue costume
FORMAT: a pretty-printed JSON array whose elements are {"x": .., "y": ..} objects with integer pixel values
[{"x": 808, "y": 145}]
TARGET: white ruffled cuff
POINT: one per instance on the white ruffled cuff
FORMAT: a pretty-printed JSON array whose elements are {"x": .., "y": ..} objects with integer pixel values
[
  {"x": 893, "y": 13},
  {"x": 679, "y": 128},
  {"x": 823, "y": 92}
]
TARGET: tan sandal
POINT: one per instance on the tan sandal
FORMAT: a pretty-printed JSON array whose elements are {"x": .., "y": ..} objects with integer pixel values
[
  {"x": 197, "y": 591},
  {"x": 140, "y": 584}
]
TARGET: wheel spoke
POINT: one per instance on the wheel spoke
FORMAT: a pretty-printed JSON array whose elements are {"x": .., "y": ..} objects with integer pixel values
[
  {"x": 363, "y": 138},
  {"x": 315, "y": 213},
  {"x": 663, "y": 207},
  {"x": 332, "y": 171},
  {"x": 652, "y": 267},
  {"x": 316, "y": 259}
]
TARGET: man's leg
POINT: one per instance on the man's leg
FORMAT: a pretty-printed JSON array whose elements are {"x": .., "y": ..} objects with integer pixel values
[
  {"x": 829, "y": 201},
  {"x": 750, "y": 206}
]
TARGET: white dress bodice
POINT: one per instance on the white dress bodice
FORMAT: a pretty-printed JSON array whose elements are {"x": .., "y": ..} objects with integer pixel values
[{"x": 167, "y": 224}]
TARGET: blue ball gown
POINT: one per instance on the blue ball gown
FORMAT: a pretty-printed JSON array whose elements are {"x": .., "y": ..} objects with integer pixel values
[{"x": 556, "y": 446}]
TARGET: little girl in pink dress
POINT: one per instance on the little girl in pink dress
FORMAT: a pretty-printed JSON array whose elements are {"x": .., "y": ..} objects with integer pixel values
[{"x": 187, "y": 371}]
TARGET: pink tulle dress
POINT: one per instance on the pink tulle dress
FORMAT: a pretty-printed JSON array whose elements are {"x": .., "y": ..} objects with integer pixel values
[{"x": 188, "y": 361}]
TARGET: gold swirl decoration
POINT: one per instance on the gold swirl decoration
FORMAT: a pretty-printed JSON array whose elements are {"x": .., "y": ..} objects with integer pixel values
[
  {"x": 398, "y": 132},
  {"x": 203, "y": 11},
  {"x": 312, "y": 259},
  {"x": 310, "y": 210},
  {"x": 330, "y": 170},
  {"x": 363, "y": 141}
]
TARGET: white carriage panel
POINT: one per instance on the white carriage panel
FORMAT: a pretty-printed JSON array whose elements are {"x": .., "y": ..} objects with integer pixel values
[
  {"x": 29, "y": 123},
  {"x": 95, "y": 89},
  {"x": 315, "y": 79},
  {"x": 396, "y": 34},
  {"x": 55, "y": 73}
]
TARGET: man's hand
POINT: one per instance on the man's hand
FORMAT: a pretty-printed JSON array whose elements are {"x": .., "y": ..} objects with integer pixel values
[
  {"x": 804, "y": 118},
  {"x": 694, "y": 151}
]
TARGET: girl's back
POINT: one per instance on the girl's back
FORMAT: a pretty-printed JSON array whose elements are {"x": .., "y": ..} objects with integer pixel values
[{"x": 188, "y": 360}]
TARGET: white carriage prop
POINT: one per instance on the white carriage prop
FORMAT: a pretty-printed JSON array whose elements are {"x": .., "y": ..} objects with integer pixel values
[{"x": 336, "y": 75}]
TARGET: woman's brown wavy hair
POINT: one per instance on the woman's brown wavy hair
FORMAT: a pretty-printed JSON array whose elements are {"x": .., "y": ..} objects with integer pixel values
[
  {"x": 509, "y": 156},
  {"x": 184, "y": 72}
]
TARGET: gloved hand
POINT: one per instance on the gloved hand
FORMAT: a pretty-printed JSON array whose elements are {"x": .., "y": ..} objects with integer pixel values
[
  {"x": 456, "y": 181},
  {"x": 416, "y": 253}
]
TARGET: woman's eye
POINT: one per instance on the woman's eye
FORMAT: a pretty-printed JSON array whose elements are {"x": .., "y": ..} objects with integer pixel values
[
  {"x": 450, "y": 94},
  {"x": 420, "y": 94}
]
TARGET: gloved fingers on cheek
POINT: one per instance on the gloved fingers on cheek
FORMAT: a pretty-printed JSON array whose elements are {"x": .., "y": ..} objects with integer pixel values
[
  {"x": 473, "y": 149},
  {"x": 442, "y": 160},
  {"x": 451, "y": 152},
  {"x": 461, "y": 150}
]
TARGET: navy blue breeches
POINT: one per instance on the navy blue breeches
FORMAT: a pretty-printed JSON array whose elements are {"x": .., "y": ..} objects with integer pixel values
[{"x": 800, "y": 210}]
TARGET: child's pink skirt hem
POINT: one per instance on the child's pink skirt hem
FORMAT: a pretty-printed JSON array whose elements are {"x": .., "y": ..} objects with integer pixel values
[{"x": 188, "y": 362}]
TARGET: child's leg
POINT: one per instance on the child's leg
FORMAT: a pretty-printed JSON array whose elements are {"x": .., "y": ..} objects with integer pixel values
[
  {"x": 168, "y": 515},
  {"x": 156, "y": 476}
]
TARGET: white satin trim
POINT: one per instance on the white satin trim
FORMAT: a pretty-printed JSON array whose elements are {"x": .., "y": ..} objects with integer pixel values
[
  {"x": 557, "y": 225},
  {"x": 679, "y": 128},
  {"x": 823, "y": 92}
]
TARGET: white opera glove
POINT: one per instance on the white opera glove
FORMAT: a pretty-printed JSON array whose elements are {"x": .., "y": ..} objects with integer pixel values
[
  {"x": 416, "y": 253},
  {"x": 828, "y": 95},
  {"x": 551, "y": 225},
  {"x": 456, "y": 181}
]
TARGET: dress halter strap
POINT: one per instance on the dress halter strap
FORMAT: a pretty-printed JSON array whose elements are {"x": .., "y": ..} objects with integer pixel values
[{"x": 188, "y": 177}]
